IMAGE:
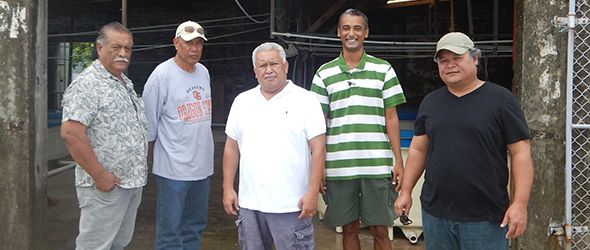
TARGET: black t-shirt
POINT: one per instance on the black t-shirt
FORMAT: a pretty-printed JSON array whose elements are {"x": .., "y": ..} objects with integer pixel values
[{"x": 466, "y": 173}]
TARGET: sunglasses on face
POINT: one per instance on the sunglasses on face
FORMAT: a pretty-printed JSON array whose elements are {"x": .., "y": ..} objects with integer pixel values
[
  {"x": 403, "y": 218},
  {"x": 191, "y": 29}
]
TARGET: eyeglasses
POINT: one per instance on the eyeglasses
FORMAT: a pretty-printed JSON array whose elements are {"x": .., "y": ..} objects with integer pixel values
[
  {"x": 403, "y": 218},
  {"x": 191, "y": 29}
]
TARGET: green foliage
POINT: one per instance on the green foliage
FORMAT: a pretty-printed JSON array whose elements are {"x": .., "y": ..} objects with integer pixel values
[{"x": 82, "y": 54}]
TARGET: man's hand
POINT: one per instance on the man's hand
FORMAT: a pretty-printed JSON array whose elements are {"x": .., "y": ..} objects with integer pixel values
[
  {"x": 398, "y": 176},
  {"x": 403, "y": 203},
  {"x": 308, "y": 204},
  {"x": 323, "y": 185},
  {"x": 106, "y": 182},
  {"x": 74, "y": 135},
  {"x": 522, "y": 178},
  {"x": 230, "y": 202},
  {"x": 516, "y": 218}
]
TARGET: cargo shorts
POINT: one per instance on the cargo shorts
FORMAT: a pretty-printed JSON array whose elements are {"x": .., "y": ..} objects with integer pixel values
[
  {"x": 259, "y": 231},
  {"x": 370, "y": 199}
]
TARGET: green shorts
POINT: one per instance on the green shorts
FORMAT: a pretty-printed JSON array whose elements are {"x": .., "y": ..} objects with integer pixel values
[{"x": 371, "y": 200}]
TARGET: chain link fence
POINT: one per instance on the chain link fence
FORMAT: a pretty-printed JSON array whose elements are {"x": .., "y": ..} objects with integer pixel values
[{"x": 581, "y": 137}]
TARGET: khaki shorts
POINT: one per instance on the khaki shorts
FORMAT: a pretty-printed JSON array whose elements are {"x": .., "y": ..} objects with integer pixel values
[{"x": 369, "y": 199}]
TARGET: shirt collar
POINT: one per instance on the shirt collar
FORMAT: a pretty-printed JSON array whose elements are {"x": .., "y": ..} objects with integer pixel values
[
  {"x": 344, "y": 67},
  {"x": 287, "y": 89},
  {"x": 102, "y": 71}
]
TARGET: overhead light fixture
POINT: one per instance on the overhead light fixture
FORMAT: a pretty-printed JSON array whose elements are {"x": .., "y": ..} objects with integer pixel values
[{"x": 399, "y": 1}]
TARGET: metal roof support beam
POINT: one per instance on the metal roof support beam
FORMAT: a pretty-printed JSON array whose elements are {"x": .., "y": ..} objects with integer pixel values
[{"x": 324, "y": 17}]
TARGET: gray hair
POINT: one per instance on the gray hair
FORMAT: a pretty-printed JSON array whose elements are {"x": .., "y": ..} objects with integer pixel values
[
  {"x": 354, "y": 12},
  {"x": 103, "y": 39},
  {"x": 475, "y": 52},
  {"x": 266, "y": 47}
]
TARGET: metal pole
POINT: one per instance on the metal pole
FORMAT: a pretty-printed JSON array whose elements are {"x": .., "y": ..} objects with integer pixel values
[
  {"x": 452, "y": 29},
  {"x": 124, "y": 12},
  {"x": 495, "y": 25},
  {"x": 66, "y": 165},
  {"x": 470, "y": 17},
  {"x": 124, "y": 23},
  {"x": 272, "y": 18},
  {"x": 569, "y": 121}
]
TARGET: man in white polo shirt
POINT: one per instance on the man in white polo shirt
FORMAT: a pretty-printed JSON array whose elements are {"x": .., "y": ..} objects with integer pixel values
[{"x": 275, "y": 132}]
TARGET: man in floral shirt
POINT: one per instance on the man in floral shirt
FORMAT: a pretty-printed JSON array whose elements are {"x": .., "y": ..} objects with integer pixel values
[{"x": 105, "y": 129}]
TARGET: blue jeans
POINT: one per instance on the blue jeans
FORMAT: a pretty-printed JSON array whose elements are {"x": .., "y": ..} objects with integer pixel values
[
  {"x": 441, "y": 234},
  {"x": 181, "y": 213}
]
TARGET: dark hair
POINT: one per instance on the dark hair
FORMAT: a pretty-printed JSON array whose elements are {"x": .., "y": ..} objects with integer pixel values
[
  {"x": 114, "y": 26},
  {"x": 354, "y": 12}
]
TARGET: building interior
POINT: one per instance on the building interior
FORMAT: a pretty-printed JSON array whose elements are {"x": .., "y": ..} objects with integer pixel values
[{"x": 403, "y": 32}]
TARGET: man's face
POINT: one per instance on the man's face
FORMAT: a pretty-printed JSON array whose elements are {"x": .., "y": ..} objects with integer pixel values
[
  {"x": 456, "y": 69},
  {"x": 352, "y": 32},
  {"x": 116, "y": 54},
  {"x": 189, "y": 51},
  {"x": 270, "y": 70}
]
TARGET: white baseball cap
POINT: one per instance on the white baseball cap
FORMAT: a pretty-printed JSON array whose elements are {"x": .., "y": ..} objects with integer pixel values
[{"x": 190, "y": 30}]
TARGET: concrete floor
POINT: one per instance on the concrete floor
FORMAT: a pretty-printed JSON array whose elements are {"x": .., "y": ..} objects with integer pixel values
[{"x": 221, "y": 232}]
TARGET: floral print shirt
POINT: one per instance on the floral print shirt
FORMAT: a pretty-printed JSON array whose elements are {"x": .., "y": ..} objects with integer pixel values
[{"x": 116, "y": 124}]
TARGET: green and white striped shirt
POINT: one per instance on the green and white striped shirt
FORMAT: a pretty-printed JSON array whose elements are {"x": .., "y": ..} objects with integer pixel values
[{"x": 355, "y": 101}]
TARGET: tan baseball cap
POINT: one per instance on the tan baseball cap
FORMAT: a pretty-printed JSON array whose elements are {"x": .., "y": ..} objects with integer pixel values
[
  {"x": 455, "y": 42},
  {"x": 190, "y": 30}
]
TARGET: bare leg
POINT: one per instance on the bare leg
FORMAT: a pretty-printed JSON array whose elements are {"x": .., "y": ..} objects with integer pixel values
[
  {"x": 350, "y": 234},
  {"x": 380, "y": 237}
]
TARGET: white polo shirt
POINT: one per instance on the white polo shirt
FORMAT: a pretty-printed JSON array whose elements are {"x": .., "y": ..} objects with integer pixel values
[{"x": 275, "y": 155}]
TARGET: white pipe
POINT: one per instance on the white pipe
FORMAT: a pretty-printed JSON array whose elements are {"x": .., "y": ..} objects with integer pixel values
[
  {"x": 569, "y": 120},
  {"x": 69, "y": 165},
  {"x": 413, "y": 239}
]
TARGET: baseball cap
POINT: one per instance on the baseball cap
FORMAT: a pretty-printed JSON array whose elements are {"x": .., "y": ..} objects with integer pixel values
[
  {"x": 455, "y": 42},
  {"x": 190, "y": 30}
]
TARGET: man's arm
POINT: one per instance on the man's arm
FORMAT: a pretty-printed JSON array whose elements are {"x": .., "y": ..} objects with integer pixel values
[
  {"x": 150, "y": 154},
  {"x": 413, "y": 171},
  {"x": 153, "y": 109},
  {"x": 74, "y": 135},
  {"x": 522, "y": 174},
  {"x": 323, "y": 180},
  {"x": 392, "y": 126},
  {"x": 231, "y": 158},
  {"x": 309, "y": 202}
]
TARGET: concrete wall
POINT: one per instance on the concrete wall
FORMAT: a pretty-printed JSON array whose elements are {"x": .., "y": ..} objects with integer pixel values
[
  {"x": 540, "y": 81},
  {"x": 22, "y": 189}
]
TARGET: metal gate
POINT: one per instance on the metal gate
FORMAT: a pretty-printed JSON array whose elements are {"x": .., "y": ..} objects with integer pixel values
[{"x": 578, "y": 126}]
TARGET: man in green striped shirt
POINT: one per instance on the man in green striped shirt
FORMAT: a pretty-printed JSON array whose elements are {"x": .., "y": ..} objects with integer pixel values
[{"x": 358, "y": 93}]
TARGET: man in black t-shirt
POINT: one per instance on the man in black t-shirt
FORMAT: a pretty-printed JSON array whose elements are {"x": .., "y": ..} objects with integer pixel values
[{"x": 460, "y": 138}]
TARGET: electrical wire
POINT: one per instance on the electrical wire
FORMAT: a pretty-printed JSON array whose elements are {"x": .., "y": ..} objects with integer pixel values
[
  {"x": 157, "y": 28},
  {"x": 211, "y": 38},
  {"x": 383, "y": 49},
  {"x": 246, "y": 13},
  {"x": 208, "y": 28},
  {"x": 238, "y": 33}
]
